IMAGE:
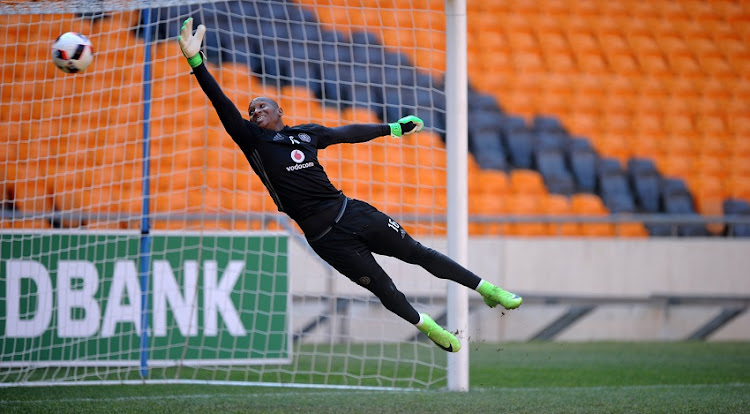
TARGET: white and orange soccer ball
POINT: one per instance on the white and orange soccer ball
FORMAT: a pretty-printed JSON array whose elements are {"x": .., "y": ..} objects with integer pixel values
[{"x": 72, "y": 52}]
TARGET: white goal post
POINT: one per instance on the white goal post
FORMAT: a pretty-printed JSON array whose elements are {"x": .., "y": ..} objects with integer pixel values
[{"x": 137, "y": 244}]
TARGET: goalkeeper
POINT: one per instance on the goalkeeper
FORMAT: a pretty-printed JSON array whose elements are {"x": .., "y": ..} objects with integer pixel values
[{"x": 342, "y": 231}]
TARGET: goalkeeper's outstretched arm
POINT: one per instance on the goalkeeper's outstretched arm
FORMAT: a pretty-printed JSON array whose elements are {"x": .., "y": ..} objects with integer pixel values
[
  {"x": 351, "y": 134},
  {"x": 190, "y": 44}
]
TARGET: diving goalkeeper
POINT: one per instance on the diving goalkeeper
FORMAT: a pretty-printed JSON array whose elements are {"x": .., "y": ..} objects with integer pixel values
[{"x": 342, "y": 231}]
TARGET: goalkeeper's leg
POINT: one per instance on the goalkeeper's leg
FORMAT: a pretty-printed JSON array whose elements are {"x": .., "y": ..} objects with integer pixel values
[
  {"x": 382, "y": 239},
  {"x": 353, "y": 259},
  {"x": 392, "y": 298}
]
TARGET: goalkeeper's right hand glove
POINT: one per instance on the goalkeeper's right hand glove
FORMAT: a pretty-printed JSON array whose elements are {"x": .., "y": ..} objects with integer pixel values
[
  {"x": 406, "y": 125},
  {"x": 191, "y": 43}
]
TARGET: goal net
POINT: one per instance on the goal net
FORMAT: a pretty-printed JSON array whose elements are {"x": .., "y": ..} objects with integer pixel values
[{"x": 137, "y": 244}]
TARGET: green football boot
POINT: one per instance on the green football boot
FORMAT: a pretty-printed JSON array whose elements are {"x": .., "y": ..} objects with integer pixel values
[
  {"x": 442, "y": 338},
  {"x": 494, "y": 296}
]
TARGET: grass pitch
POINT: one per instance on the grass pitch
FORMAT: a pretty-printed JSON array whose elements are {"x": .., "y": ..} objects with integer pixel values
[{"x": 536, "y": 377}]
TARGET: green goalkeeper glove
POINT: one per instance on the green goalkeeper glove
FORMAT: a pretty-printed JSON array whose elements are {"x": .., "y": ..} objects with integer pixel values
[
  {"x": 191, "y": 44},
  {"x": 406, "y": 125}
]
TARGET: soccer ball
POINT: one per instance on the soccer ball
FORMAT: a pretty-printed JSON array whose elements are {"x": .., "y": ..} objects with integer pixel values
[{"x": 72, "y": 52}]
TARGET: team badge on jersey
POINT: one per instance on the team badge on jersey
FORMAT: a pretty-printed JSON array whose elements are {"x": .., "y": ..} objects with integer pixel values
[
  {"x": 304, "y": 137},
  {"x": 298, "y": 156}
]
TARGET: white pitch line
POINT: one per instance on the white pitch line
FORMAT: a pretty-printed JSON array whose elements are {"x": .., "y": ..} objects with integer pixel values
[
  {"x": 348, "y": 392},
  {"x": 611, "y": 387},
  {"x": 185, "y": 396}
]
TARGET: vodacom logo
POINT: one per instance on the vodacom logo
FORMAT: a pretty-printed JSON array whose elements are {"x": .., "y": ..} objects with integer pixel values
[{"x": 298, "y": 156}]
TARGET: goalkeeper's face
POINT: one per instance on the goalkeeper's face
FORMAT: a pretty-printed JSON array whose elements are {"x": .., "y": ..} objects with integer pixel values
[{"x": 266, "y": 113}]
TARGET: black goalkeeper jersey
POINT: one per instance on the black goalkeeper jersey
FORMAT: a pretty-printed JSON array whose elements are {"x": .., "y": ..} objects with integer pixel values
[{"x": 287, "y": 161}]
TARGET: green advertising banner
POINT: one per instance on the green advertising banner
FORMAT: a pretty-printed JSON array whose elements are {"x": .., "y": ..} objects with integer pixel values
[{"x": 74, "y": 299}]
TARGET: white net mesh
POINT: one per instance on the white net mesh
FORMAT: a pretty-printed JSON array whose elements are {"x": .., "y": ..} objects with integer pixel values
[{"x": 232, "y": 293}]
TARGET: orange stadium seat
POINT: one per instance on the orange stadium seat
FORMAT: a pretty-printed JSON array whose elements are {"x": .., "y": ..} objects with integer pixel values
[
  {"x": 716, "y": 66},
  {"x": 582, "y": 40},
  {"x": 474, "y": 184},
  {"x": 519, "y": 33},
  {"x": 559, "y": 205},
  {"x": 710, "y": 146},
  {"x": 422, "y": 203},
  {"x": 706, "y": 165},
  {"x": 403, "y": 39},
  {"x": 646, "y": 118},
  {"x": 645, "y": 145},
  {"x": 610, "y": 37},
  {"x": 389, "y": 198},
  {"x": 589, "y": 205},
  {"x": 551, "y": 38},
  {"x": 623, "y": 62},
  {"x": 616, "y": 146},
  {"x": 630, "y": 229},
  {"x": 712, "y": 126},
  {"x": 300, "y": 105},
  {"x": 739, "y": 147},
  {"x": 527, "y": 182},
  {"x": 684, "y": 64},
  {"x": 654, "y": 65},
  {"x": 170, "y": 202},
  {"x": 704, "y": 46},
  {"x": 530, "y": 62},
  {"x": 488, "y": 204},
  {"x": 357, "y": 115},
  {"x": 520, "y": 205},
  {"x": 491, "y": 181},
  {"x": 671, "y": 44},
  {"x": 640, "y": 38},
  {"x": 33, "y": 194},
  {"x": 561, "y": 61},
  {"x": 712, "y": 207},
  {"x": 592, "y": 62},
  {"x": 739, "y": 165},
  {"x": 676, "y": 165},
  {"x": 738, "y": 187},
  {"x": 678, "y": 145},
  {"x": 706, "y": 187}
]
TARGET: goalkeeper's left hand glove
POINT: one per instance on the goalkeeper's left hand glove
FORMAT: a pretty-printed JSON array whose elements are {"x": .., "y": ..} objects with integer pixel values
[
  {"x": 191, "y": 44},
  {"x": 406, "y": 125}
]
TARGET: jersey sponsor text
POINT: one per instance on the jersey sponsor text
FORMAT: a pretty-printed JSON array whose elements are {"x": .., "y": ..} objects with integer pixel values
[{"x": 300, "y": 166}]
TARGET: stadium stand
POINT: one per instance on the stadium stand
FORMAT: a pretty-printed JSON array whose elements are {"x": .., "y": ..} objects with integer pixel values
[
  {"x": 30, "y": 192},
  {"x": 676, "y": 199},
  {"x": 525, "y": 204},
  {"x": 517, "y": 138},
  {"x": 558, "y": 88},
  {"x": 644, "y": 180},
  {"x": 613, "y": 186},
  {"x": 652, "y": 88},
  {"x": 582, "y": 159},
  {"x": 485, "y": 141},
  {"x": 737, "y": 207},
  {"x": 551, "y": 164},
  {"x": 592, "y": 206},
  {"x": 337, "y": 70},
  {"x": 527, "y": 181},
  {"x": 557, "y": 205}
]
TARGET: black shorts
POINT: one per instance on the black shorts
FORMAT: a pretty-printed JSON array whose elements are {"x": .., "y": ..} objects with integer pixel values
[{"x": 361, "y": 231}]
